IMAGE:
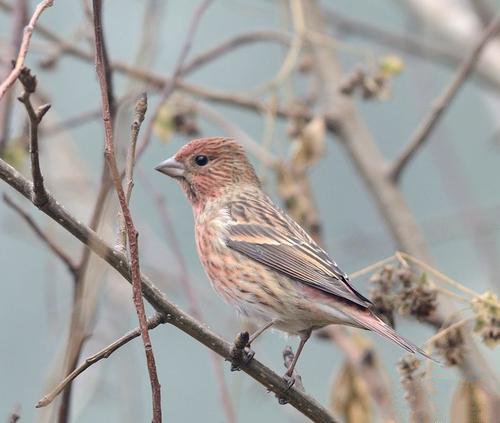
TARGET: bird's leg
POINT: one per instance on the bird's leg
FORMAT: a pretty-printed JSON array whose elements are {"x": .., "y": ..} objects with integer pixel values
[
  {"x": 259, "y": 332},
  {"x": 288, "y": 377},
  {"x": 241, "y": 353}
]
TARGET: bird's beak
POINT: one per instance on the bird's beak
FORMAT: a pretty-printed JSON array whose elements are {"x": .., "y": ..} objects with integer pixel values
[{"x": 172, "y": 168}]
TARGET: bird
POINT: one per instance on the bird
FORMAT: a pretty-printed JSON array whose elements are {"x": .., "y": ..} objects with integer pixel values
[{"x": 257, "y": 258}]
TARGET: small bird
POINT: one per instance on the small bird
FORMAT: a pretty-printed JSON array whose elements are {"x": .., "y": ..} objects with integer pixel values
[{"x": 257, "y": 257}]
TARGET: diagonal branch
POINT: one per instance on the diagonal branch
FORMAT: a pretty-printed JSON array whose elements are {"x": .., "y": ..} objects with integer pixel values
[
  {"x": 442, "y": 102},
  {"x": 152, "y": 323},
  {"x": 25, "y": 43},
  {"x": 173, "y": 314},
  {"x": 58, "y": 251},
  {"x": 103, "y": 74}
]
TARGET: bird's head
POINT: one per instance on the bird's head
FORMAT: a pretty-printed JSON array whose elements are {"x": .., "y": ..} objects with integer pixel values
[{"x": 206, "y": 168}]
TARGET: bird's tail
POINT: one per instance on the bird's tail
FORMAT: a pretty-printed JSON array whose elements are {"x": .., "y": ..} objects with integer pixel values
[{"x": 368, "y": 320}]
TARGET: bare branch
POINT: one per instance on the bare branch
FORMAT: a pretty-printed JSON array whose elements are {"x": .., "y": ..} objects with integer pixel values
[
  {"x": 58, "y": 251},
  {"x": 159, "y": 81},
  {"x": 25, "y": 43},
  {"x": 174, "y": 315},
  {"x": 152, "y": 323},
  {"x": 103, "y": 74},
  {"x": 35, "y": 117},
  {"x": 141, "y": 106},
  {"x": 232, "y": 44},
  {"x": 442, "y": 102}
]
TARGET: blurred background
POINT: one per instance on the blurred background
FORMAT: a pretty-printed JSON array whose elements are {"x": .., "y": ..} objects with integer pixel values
[{"x": 451, "y": 187}]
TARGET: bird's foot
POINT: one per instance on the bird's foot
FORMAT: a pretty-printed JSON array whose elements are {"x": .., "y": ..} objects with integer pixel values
[
  {"x": 293, "y": 380},
  {"x": 241, "y": 353}
]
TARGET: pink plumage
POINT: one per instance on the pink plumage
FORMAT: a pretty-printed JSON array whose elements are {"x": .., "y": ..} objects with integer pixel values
[{"x": 257, "y": 258}]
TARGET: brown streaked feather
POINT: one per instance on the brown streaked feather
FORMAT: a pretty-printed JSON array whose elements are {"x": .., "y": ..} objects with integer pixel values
[{"x": 266, "y": 234}]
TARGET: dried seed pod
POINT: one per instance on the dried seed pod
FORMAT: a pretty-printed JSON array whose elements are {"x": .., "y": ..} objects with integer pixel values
[
  {"x": 451, "y": 347},
  {"x": 487, "y": 323},
  {"x": 417, "y": 297},
  {"x": 382, "y": 293}
]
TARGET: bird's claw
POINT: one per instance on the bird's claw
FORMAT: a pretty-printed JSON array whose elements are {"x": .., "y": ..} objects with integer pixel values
[
  {"x": 294, "y": 380},
  {"x": 289, "y": 380},
  {"x": 241, "y": 353}
]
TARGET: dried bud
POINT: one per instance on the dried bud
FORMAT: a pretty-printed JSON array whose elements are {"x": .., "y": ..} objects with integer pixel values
[
  {"x": 309, "y": 145},
  {"x": 382, "y": 295},
  {"x": 417, "y": 297},
  {"x": 451, "y": 347},
  {"x": 352, "y": 80},
  {"x": 487, "y": 310},
  {"x": 28, "y": 80}
]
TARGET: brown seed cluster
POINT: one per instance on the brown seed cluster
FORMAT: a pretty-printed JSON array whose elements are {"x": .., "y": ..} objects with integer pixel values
[
  {"x": 404, "y": 291},
  {"x": 451, "y": 347},
  {"x": 487, "y": 311}
]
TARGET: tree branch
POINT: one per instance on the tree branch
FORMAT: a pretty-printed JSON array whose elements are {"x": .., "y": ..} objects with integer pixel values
[
  {"x": 35, "y": 117},
  {"x": 442, "y": 102},
  {"x": 58, "y": 251},
  {"x": 103, "y": 75},
  {"x": 25, "y": 43},
  {"x": 174, "y": 315},
  {"x": 141, "y": 106},
  {"x": 152, "y": 323}
]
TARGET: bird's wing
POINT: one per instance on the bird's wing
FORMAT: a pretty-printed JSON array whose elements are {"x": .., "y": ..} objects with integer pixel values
[{"x": 266, "y": 234}]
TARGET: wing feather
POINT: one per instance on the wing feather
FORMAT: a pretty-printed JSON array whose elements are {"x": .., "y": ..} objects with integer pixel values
[{"x": 286, "y": 248}]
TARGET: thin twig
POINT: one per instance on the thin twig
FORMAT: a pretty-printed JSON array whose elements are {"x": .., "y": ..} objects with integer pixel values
[
  {"x": 442, "y": 102},
  {"x": 141, "y": 106},
  {"x": 232, "y": 44},
  {"x": 35, "y": 117},
  {"x": 56, "y": 249},
  {"x": 173, "y": 314},
  {"x": 25, "y": 43},
  {"x": 103, "y": 74},
  {"x": 159, "y": 81},
  {"x": 19, "y": 17},
  {"x": 152, "y": 323},
  {"x": 170, "y": 85}
]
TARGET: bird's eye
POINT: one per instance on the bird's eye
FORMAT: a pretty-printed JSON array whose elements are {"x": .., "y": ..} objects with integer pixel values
[{"x": 201, "y": 160}]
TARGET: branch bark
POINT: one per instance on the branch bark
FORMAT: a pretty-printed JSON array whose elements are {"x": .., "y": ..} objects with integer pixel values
[
  {"x": 103, "y": 75},
  {"x": 442, "y": 102},
  {"x": 35, "y": 117}
]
